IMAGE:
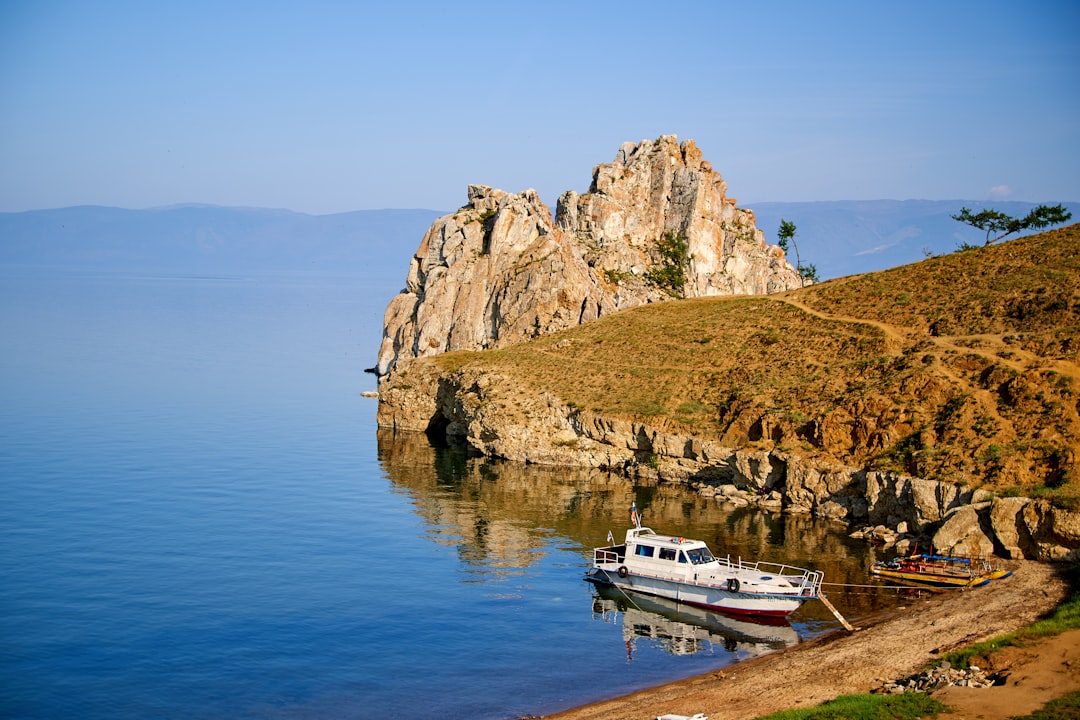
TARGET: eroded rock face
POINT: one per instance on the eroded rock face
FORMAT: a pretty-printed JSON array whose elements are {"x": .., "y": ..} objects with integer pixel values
[
  {"x": 492, "y": 274},
  {"x": 500, "y": 270},
  {"x": 504, "y": 419},
  {"x": 660, "y": 187}
]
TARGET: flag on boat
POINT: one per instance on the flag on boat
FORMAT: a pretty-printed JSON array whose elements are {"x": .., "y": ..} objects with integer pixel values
[{"x": 635, "y": 519}]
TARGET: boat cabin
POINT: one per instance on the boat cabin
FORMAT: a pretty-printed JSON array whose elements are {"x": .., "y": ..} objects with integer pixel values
[{"x": 664, "y": 555}]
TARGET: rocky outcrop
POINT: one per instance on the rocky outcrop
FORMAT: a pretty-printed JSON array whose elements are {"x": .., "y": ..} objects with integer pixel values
[
  {"x": 655, "y": 224},
  {"x": 657, "y": 188},
  {"x": 509, "y": 420},
  {"x": 808, "y": 410}
]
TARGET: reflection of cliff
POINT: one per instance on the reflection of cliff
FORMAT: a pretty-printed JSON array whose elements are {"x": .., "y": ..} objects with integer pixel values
[
  {"x": 501, "y": 515},
  {"x": 684, "y": 630}
]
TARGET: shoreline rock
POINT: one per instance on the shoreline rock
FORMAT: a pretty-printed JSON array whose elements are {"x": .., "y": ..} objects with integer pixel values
[{"x": 497, "y": 418}]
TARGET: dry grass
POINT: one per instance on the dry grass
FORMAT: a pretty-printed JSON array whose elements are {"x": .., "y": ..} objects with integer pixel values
[{"x": 962, "y": 367}]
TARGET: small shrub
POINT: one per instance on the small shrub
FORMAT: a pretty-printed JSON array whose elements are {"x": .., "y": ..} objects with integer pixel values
[
  {"x": 615, "y": 276},
  {"x": 670, "y": 275},
  {"x": 992, "y": 453},
  {"x": 647, "y": 407},
  {"x": 691, "y": 407}
]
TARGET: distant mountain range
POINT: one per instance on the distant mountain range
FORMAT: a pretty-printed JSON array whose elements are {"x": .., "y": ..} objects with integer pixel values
[
  {"x": 210, "y": 239},
  {"x": 839, "y": 238}
]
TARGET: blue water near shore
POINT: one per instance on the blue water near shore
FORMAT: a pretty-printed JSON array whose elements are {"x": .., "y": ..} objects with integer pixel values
[{"x": 199, "y": 520}]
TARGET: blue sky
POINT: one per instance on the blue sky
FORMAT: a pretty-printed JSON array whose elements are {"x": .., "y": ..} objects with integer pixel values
[{"x": 324, "y": 107}]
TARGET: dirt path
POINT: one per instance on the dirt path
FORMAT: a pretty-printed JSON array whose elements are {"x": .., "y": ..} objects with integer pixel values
[
  {"x": 991, "y": 347},
  {"x": 895, "y": 340},
  {"x": 888, "y": 647}
]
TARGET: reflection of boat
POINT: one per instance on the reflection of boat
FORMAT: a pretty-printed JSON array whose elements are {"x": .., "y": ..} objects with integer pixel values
[
  {"x": 686, "y": 571},
  {"x": 947, "y": 571},
  {"x": 684, "y": 629}
]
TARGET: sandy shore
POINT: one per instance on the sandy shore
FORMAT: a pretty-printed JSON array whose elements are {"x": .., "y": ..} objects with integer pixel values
[{"x": 890, "y": 646}]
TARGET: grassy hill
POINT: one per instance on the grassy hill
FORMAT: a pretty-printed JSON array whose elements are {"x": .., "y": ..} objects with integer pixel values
[{"x": 960, "y": 368}]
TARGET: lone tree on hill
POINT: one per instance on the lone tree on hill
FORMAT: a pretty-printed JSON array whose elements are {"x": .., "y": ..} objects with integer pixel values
[
  {"x": 993, "y": 221},
  {"x": 785, "y": 234}
]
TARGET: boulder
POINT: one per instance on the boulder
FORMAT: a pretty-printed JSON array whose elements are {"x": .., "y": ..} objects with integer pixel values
[
  {"x": 962, "y": 534},
  {"x": 1013, "y": 536}
]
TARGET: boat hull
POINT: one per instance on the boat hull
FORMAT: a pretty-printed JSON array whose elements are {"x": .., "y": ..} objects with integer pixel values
[
  {"x": 704, "y": 596},
  {"x": 684, "y": 629},
  {"x": 938, "y": 580}
]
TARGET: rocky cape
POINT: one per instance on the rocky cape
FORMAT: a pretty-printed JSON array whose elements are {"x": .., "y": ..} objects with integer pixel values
[
  {"x": 656, "y": 223},
  {"x": 500, "y": 271}
]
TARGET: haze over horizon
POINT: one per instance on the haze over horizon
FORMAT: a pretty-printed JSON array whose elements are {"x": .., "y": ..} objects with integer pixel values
[{"x": 331, "y": 107}]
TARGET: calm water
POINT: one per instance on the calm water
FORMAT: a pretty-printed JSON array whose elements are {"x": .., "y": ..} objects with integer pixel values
[{"x": 200, "y": 520}]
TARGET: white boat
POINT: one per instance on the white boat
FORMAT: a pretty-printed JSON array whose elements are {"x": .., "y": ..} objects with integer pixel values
[{"x": 687, "y": 572}]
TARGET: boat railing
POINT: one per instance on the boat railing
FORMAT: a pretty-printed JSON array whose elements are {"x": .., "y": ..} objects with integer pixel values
[
  {"x": 809, "y": 580},
  {"x": 609, "y": 555}
]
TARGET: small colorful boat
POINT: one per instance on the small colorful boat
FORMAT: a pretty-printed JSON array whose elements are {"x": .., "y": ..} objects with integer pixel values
[{"x": 943, "y": 571}]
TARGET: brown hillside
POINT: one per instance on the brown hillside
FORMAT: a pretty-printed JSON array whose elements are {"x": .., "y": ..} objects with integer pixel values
[{"x": 960, "y": 368}]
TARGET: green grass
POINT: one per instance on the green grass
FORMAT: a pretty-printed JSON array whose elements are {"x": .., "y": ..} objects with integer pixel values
[
  {"x": 907, "y": 706},
  {"x": 1064, "y": 708}
]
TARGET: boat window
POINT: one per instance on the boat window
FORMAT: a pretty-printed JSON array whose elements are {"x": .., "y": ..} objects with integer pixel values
[
  {"x": 645, "y": 550},
  {"x": 700, "y": 555},
  {"x": 667, "y": 554},
  {"x": 682, "y": 556}
]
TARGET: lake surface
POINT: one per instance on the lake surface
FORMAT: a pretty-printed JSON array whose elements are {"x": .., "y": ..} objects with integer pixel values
[{"x": 200, "y": 520}]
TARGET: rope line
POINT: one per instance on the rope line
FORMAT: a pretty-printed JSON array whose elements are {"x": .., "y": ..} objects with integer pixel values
[{"x": 893, "y": 587}]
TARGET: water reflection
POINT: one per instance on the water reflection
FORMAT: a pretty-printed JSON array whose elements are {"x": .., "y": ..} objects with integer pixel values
[
  {"x": 684, "y": 630},
  {"x": 503, "y": 517}
]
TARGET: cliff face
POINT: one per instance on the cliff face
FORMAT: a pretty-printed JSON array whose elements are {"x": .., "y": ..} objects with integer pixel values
[
  {"x": 499, "y": 416},
  {"x": 660, "y": 188},
  {"x": 655, "y": 224}
]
